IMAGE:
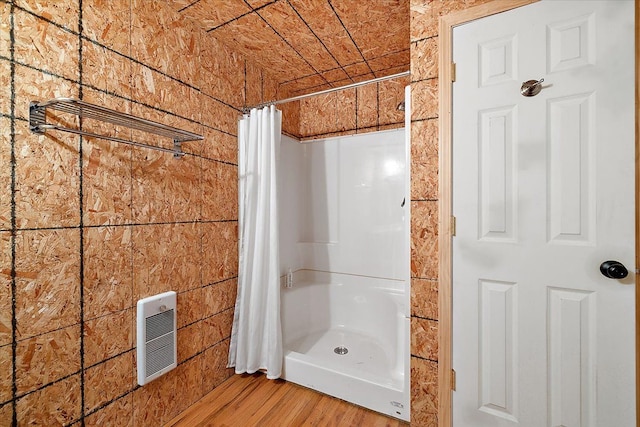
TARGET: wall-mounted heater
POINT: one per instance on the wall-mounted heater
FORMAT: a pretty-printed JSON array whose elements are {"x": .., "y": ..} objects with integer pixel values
[{"x": 156, "y": 332}]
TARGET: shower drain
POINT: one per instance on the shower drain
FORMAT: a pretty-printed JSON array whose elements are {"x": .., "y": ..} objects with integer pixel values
[{"x": 341, "y": 350}]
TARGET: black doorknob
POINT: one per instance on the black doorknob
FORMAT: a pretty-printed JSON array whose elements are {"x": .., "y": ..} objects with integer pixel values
[{"x": 613, "y": 270}]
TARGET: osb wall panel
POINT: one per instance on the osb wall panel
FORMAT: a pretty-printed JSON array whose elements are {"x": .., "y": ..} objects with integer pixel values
[
  {"x": 291, "y": 118},
  {"x": 161, "y": 192},
  {"x": 368, "y": 108},
  {"x": 62, "y": 12},
  {"x": 47, "y": 179},
  {"x": 253, "y": 84},
  {"x": 46, "y": 46},
  {"x": 47, "y": 267},
  {"x": 108, "y": 71},
  {"x": 47, "y": 358},
  {"x": 326, "y": 114},
  {"x": 5, "y": 82},
  {"x": 89, "y": 226},
  {"x": 106, "y": 381},
  {"x": 107, "y": 336},
  {"x": 390, "y": 94},
  {"x": 117, "y": 413},
  {"x": 107, "y": 270},
  {"x": 223, "y": 76},
  {"x": 424, "y": 196},
  {"x": 160, "y": 40},
  {"x": 6, "y": 338},
  {"x": 58, "y": 404},
  {"x": 5, "y": 65},
  {"x": 222, "y": 146},
  {"x": 5, "y": 175},
  {"x": 5, "y": 26},
  {"x": 424, "y": 392},
  {"x": 5, "y": 375},
  {"x": 107, "y": 22},
  {"x": 6, "y": 292},
  {"x": 424, "y": 338},
  {"x": 49, "y": 86}
]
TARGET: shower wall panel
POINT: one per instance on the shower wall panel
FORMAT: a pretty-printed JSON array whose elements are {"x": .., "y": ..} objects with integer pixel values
[
  {"x": 290, "y": 203},
  {"x": 342, "y": 204},
  {"x": 89, "y": 226}
]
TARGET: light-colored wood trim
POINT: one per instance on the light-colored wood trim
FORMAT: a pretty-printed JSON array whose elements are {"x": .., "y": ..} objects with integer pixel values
[
  {"x": 444, "y": 225},
  {"x": 445, "y": 45}
]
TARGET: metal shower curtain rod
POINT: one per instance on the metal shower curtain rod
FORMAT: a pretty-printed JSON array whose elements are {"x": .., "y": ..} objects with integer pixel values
[{"x": 333, "y": 89}]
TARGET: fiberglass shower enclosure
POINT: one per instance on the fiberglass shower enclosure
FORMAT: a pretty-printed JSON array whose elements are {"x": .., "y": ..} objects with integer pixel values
[{"x": 344, "y": 236}]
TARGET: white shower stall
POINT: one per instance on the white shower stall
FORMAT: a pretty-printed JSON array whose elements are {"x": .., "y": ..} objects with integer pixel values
[{"x": 344, "y": 241}]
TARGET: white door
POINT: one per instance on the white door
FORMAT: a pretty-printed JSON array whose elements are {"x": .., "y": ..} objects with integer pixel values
[{"x": 543, "y": 193}]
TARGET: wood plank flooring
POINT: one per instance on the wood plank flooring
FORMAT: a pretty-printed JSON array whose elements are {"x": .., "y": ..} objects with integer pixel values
[{"x": 252, "y": 400}]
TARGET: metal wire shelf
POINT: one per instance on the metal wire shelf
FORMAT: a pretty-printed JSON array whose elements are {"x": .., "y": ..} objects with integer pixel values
[{"x": 38, "y": 123}]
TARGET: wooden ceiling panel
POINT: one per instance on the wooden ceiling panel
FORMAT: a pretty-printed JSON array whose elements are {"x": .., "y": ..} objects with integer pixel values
[
  {"x": 308, "y": 45},
  {"x": 357, "y": 69},
  {"x": 335, "y": 75},
  {"x": 382, "y": 63},
  {"x": 394, "y": 70},
  {"x": 325, "y": 24},
  {"x": 252, "y": 37},
  {"x": 213, "y": 13},
  {"x": 377, "y": 27},
  {"x": 298, "y": 89},
  {"x": 181, "y": 4},
  {"x": 309, "y": 83},
  {"x": 286, "y": 22},
  {"x": 363, "y": 77},
  {"x": 259, "y": 3}
]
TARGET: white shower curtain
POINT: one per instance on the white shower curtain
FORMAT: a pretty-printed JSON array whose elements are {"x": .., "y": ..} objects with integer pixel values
[{"x": 256, "y": 338}]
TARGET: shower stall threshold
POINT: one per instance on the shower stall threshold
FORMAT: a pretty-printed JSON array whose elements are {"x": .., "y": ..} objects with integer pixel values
[{"x": 361, "y": 375}]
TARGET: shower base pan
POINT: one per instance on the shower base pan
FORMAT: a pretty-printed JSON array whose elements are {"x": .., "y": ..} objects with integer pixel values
[
  {"x": 346, "y": 336},
  {"x": 356, "y": 376}
]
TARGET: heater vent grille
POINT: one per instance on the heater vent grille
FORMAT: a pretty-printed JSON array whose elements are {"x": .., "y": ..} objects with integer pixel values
[
  {"x": 159, "y": 354},
  {"x": 156, "y": 331},
  {"x": 159, "y": 324}
]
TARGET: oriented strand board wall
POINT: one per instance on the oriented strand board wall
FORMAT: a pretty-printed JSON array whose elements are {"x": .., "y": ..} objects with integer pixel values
[
  {"x": 87, "y": 226},
  {"x": 424, "y": 205},
  {"x": 368, "y": 108}
]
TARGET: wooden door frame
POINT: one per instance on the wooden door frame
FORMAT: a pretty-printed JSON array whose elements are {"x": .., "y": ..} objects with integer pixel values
[{"x": 445, "y": 45}]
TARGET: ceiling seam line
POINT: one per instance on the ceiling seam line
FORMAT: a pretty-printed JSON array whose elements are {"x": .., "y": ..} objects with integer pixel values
[
  {"x": 293, "y": 48},
  {"x": 340, "y": 66},
  {"x": 188, "y": 6},
  {"x": 230, "y": 21},
  {"x": 351, "y": 37},
  {"x": 243, "y": 15},
  {"x": 349, "y": 65}
]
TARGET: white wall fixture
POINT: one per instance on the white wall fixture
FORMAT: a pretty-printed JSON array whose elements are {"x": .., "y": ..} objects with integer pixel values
[
  {"x": 345, "y": 235},
  {"x": 343, "y": 203},
  {"x": 156, "y": 332}
]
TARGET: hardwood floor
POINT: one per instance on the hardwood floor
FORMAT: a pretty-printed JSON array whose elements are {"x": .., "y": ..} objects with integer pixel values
[{"x": 252, "y": 400}]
